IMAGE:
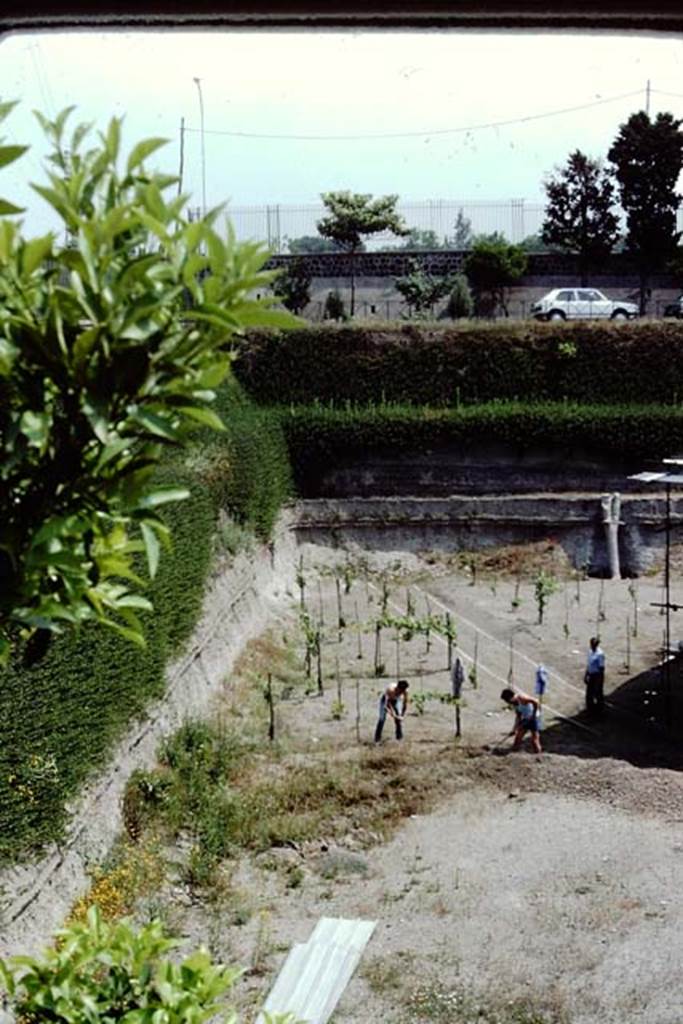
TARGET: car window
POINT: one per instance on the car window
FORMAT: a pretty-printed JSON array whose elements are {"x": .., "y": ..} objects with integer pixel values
[
  {"x": 565, "y": 296},
  {"x": 590, "y": 296}
]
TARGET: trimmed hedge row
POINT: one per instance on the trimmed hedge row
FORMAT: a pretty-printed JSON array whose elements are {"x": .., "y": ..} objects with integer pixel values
[
  {"x": 318, "y": 435},
  {"x": 444, "y": 365},
  {"x": 61, "y": 716}
]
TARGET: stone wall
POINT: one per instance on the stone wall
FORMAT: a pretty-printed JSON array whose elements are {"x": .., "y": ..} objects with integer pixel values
[{"x": 542, "y": 267}]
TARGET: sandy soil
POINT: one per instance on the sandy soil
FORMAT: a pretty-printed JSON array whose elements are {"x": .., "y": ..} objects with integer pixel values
[{"x": 554, "y": 884}]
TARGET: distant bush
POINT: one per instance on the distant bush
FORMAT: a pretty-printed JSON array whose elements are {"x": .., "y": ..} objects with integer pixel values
[
  {"x": 460, "y": 302},
  {"x": 440, "y": 364},
  {"x": 334, "y": 306}
]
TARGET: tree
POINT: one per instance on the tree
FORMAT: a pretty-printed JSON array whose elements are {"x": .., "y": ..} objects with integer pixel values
[
  {"x": 462, "y": 236},
  {"x": 334, "y": 306},
  {"x": 460, "y": 304},
  {"x": 492, "y": 265},
  {"x": 353, "y": 215},
  {"x": 312, "y": 244},
  {"x": 101, "y": 369},
  {"x": 648, "y": 156},
  {"x": 578, "y": 216},
  {"x": 418, "y": 239},
  {"x": 422, "y": 291},
  {"x": 292, "y": 285}
]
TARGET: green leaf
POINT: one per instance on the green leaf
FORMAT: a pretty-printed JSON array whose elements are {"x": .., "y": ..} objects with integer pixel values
[
  {"x": 142, "y": 150},
  {"x": 152, "y": 548},
  {"x": 163, "y": 496},
  {"x": 155, "y": 424},
  {"x": 36, "y": 427},
  {"x": 35, "y": 252},
  {"x": 6, "y": 108},
  {"x": 207, "y": 417},
  {"x": 84, "y": 344},
  {"x": 8, "y": 154},
  {"x": 7, "y": 209},
  {"x": 114, "y": 137}
]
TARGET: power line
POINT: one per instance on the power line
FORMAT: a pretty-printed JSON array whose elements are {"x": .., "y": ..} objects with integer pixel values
[{"x": 423, "y": 132}]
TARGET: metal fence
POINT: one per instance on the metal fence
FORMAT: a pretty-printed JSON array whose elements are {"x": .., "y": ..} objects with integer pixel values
[{"x": 276, "y": 224}]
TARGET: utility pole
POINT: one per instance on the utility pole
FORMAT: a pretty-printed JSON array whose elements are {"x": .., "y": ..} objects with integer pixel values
[
  {"x": 647, "y": 98},
  {"x": 182, "y": 155},
  {"x": 198, "y": 83}
]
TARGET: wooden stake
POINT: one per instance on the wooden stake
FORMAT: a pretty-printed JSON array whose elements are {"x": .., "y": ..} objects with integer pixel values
[
  {"x": 340, "y": 615},
  {"x": 271, "y": 709},
  {"x": 398, "y": 656},
  {"x": 319, "y": 653},
  {"x": 340, "y": 701},
  {"x": 358, "y": 624},
  {"x": 357, "y": 710},
  {"x": 450, "y": 641},
  {"x": 512, "y": 659},
  {"x": 321, "y": 617},
  {"x": 628, "y": 644},
  {"x": 378, "y": 647}
]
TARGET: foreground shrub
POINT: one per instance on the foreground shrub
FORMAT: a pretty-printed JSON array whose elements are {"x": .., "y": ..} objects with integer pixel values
[{"x": 109, "y": 972}]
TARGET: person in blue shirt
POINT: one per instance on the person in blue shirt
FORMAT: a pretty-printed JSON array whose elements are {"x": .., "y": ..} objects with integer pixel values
[
  {"x": 527, "y": 718},
  {"x": 594, "y": 678}
]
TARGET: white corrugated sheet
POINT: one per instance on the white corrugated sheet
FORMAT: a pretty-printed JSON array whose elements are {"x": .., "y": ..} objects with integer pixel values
[{"x": 315, "y": 973}]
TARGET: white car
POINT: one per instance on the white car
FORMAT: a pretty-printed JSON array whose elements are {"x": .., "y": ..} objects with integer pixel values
[{"x": 581, "y": 304}]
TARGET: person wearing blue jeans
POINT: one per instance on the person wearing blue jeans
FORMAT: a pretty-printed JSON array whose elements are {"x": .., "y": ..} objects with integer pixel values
[{"x": 393, "y": 702}]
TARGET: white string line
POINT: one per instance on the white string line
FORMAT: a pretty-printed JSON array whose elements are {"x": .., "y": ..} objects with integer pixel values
[
  {"x": 494, "y": 675},
  {"x": 524, "y": 657},
  {"x": 551, "y": 672}
]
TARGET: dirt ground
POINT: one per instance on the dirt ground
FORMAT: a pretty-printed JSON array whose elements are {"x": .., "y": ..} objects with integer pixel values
[{"x": 532, "y": 890}]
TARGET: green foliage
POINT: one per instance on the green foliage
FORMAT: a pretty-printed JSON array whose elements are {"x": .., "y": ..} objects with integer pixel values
[
  {"x": 334, "y": 306},
  {"x": 100, "y": 369},
  {"x": 422, "y": 291},
  {"x": 312, "y": 244},
  {"x": 418, "y": 239},
  {"x": 60, "y": 716},
  {"x": 439, "y": 364},
  {"x": 492, "y": 265},
  {"x": 460, "y": 302},
  {"x": 462, "y": 232},
  {"x": 319, "y": 436},
  {"x": 293, "y": 286},
  {"x": 578, "y": 216},
  {"x": 353, "y": 216},
  {"x": 109, "y": 972},
  {"x": 545, "y": 585},
  {"x": 648, "y": 157},
  {"x": 247, "y": 467}
]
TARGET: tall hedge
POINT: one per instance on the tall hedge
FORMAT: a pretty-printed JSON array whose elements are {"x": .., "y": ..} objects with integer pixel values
[
  {"x": 434, "y": 365},
  {"x": 60, "y": 716},
  {"x": 319, "y": 436}
]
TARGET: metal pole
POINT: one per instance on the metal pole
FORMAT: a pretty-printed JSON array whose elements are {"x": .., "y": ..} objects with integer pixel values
[
  {"x": 198, "y": 83},
  {"x": 667, "y": 588}
]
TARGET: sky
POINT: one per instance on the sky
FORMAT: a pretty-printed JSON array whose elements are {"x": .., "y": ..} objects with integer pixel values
[{"x": 443, "y": 94}]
